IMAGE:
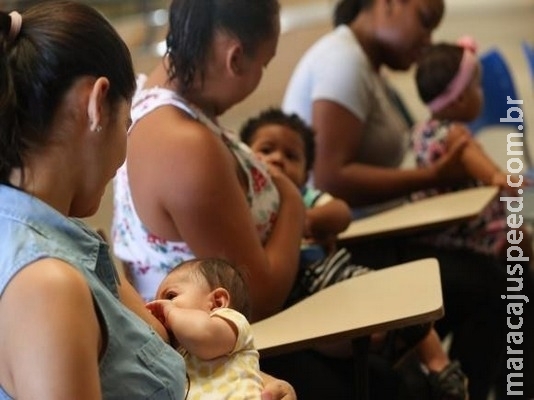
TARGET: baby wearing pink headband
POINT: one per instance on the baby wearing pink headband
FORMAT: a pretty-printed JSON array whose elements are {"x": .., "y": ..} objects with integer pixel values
[
  {"x": 445, "y": 72},
  {"x": 448, "y": 82}
]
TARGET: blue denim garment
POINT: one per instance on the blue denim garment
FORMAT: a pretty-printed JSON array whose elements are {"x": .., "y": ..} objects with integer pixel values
[{"x": 136, "y": 363}]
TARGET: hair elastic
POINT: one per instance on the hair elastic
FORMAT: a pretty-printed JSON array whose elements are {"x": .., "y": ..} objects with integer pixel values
[
  {"x": 460, "y": 81},
  {"x": 16, "y": 23}
]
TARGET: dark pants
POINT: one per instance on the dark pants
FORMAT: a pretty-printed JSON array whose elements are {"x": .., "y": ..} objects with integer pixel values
[
  {"x": 318, "y": 377},
  {"x": 475, "y": 313}
]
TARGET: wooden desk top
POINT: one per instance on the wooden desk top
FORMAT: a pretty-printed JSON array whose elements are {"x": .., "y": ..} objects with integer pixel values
[
  {"x": 393, "y": 297},
  {"x": 430, "y": 213}
]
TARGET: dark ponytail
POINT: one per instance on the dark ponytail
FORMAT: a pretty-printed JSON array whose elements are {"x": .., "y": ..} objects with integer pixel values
[
  {"x": 188, "y": 46},
  {"x": 59, "y": 42},
  {"x": 193, "y": 25}
]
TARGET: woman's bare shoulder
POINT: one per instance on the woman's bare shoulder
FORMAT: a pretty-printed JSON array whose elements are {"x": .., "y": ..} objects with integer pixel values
[
  {"x": 50, "y": 276},
  {"x": 170, "y": 131}
]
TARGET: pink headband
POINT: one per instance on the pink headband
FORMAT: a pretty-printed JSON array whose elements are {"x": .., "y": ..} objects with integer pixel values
[
  {"x": 16, "y": 23},
  {"x": 461, "y": 79}
]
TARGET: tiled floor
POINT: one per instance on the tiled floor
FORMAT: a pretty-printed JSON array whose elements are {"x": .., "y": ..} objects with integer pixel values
[{"x": 500, "y": 23}]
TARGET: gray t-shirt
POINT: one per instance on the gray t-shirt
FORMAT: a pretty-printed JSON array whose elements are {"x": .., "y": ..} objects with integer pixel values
[{"x": 335, "y": 68}]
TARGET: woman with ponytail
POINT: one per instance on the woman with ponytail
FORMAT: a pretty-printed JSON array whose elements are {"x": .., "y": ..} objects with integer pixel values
[
  {"x": 66, "y": 82},
  {"x": 188, "y": 188}
]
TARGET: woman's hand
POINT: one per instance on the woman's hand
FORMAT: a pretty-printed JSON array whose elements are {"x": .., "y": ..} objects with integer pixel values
[
  {"x": 276, "y": 389},
  {"x": 450, "y": 168},
  {"x": 285, "y": 186}
]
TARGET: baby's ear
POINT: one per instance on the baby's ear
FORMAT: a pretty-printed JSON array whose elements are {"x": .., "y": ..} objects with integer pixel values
[{"x": 220, "y": 298}]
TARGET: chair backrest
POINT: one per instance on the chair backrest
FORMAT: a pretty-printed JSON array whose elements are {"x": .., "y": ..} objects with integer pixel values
[
  {"x": 528, "y": 50},
  {"x": 497, "y": 85}
]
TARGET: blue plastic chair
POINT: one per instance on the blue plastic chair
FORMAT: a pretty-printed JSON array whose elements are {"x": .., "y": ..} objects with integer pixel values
[{"x": 497, "y": 86}]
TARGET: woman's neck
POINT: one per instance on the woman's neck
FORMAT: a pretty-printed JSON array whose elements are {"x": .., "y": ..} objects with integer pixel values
[
  {"x": 195, "y": 95},
  {"x": 198, "y": 99},
  {"x": 44, "y": 177},
  {"x": 362, "y": 28}
]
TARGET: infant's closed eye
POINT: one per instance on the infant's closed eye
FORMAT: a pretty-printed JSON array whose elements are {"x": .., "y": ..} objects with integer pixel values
[{"x": 170, "y": 295}]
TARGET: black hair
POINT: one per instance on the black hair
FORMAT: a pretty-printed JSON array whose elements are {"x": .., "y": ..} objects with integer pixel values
[
  {"x": 194, "y": 23},
  {"x": 59, "y": 41},
  {"x": 346, "y": 10},
  {"x": 436, "y": 68},
  {"x": 221, "y": 273},
  {"x": 278, "y": 117}
]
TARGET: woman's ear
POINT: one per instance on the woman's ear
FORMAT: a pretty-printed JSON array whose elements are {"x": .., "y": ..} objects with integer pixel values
[
  {"x": 220, "y": 298},
  {"x": 235, "y": 58},
  {"x": 97, "y": 97}
]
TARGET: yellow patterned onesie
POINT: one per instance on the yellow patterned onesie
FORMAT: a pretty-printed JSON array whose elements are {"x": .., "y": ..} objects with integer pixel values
[{"x": 232, "y": 377}]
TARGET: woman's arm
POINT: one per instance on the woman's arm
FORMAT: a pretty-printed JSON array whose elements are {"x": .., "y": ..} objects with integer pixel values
[
  {"x": 131, "y": 299},
  {"x": 338, "y": 139},
  {"x": 181, "y": 174},
  {"x": 480, "y": 166},
  {"x": 51, "y": 348},
  {"x": 476, "y": 161}
]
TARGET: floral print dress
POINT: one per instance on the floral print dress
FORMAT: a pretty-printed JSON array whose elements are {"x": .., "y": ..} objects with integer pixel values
[
  {"x": 150, "y": 257},
  {"x": 484, "y": 234}
]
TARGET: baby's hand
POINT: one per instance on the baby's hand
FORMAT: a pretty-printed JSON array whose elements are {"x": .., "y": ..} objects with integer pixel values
[
  {"x": 160, "y": 309},
  {"x": 500, "y": 179},
  {"x": 276, "y": 173}
]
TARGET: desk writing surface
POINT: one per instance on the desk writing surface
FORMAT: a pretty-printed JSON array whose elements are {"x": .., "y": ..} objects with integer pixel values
[
  {"x": 429, "y": 213},
  {"x": 393, "y": 297}
]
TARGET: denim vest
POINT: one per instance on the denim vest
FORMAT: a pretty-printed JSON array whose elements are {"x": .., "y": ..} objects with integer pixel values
[{"x": 136, "y": 363}]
